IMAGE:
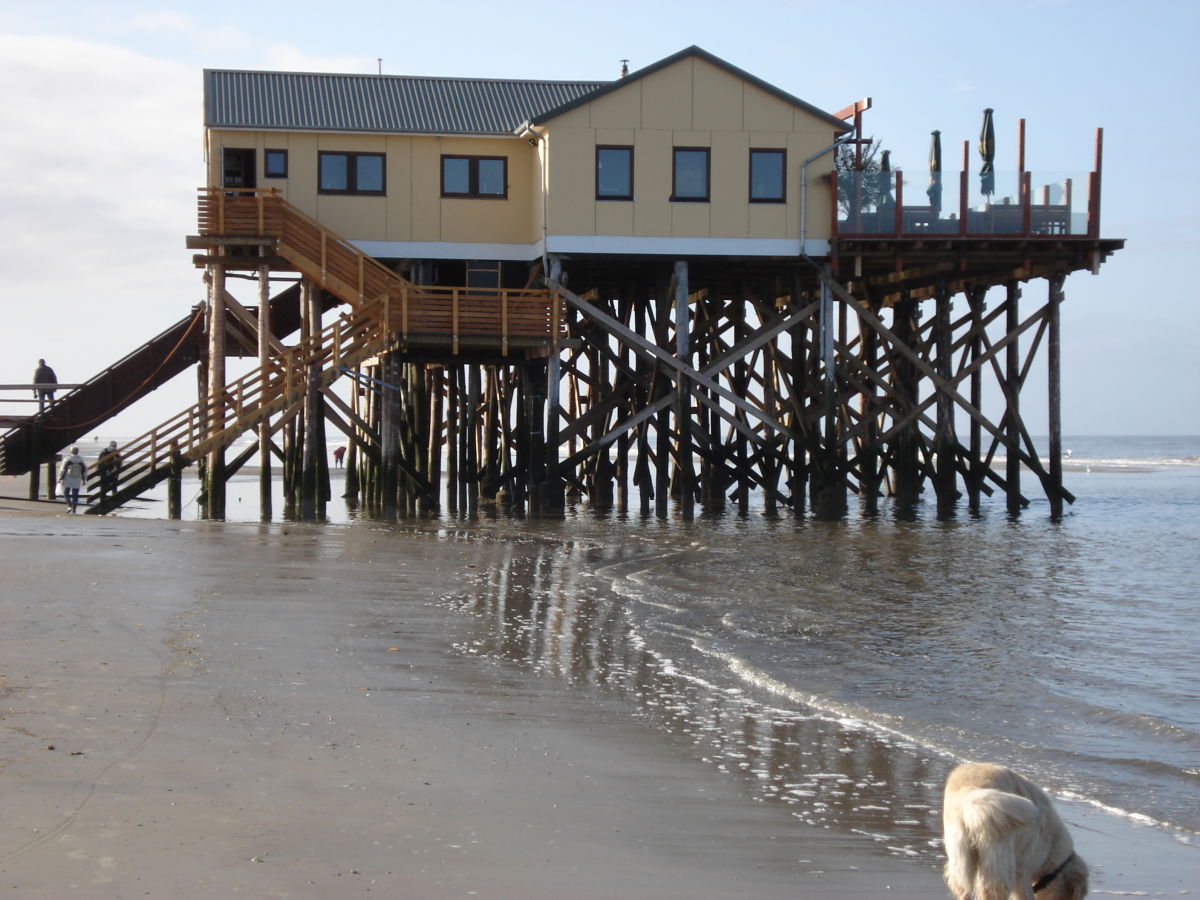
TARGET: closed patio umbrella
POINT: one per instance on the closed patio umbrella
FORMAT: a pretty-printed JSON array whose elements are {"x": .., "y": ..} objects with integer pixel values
[
  {"x": 885, "y": 179},
  {"x": 987, "y": 151},
  {"x": 935, "y": 173}
]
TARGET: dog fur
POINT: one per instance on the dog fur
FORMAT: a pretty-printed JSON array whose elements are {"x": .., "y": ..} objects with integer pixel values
[{"x": 1002, "y": 836}]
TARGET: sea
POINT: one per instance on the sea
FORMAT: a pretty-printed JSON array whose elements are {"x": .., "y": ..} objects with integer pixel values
[{"x": 842, "y": 668}]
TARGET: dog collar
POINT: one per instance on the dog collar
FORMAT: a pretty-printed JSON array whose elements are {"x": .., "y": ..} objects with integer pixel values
[{"x": 1046, "y": 879}]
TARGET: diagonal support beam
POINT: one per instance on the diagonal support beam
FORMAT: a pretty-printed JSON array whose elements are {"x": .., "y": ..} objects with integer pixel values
[
  {"x": 749, "y": 345},
  {"x": 924, "y": 368}
]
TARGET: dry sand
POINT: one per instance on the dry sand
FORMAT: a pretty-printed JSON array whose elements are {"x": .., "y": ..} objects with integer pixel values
[{"x": 194, "y": 710}]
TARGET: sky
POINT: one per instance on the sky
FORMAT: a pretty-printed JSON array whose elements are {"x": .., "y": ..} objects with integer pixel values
[{"x": 101, "y": 145}]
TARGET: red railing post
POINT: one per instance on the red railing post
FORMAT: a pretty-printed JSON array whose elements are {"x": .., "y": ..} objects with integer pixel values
[{"x": 1094, "y": 192}]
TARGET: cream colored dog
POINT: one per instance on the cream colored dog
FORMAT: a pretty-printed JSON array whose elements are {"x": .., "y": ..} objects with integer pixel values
[{"x": 1004, "y": 841}]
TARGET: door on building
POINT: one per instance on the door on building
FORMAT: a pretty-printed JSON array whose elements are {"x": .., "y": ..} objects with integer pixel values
[{"x": 237, "y": 167}]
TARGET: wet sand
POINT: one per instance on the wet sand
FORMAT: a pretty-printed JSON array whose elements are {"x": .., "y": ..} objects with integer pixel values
[{"x": 196, "y": 710}]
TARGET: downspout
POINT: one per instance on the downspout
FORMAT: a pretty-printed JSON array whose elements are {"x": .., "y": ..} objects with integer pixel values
[
  {"x": 529, "y": 133},
  {"x": 848, "y": 136}
]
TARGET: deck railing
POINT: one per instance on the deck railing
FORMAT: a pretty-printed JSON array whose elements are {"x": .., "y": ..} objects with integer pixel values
[
  {"x": 880, "y": 204},
  {"x": 454, "y": 313}
]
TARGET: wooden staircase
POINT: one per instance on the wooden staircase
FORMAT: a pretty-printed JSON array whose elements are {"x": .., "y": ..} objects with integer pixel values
[{"x": 385, "y": 311}]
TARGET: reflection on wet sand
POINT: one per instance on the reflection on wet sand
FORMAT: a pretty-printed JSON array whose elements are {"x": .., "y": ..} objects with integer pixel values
[{"x": 539, "y": 609}]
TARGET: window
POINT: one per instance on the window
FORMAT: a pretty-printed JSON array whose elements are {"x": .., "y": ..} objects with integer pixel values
[
  {"x": 350, "y": 173},
  {"x": 614, "y": 173},
  {"x": 475, "y": 176},
  {"x": 690, "y": 176},
  {"x": 767, "y": 179},
  {"x": 275, "y": 163}
]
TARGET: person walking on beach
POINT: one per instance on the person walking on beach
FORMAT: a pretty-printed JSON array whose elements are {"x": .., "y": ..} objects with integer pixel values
[
  {"x": 74, "y": 471},
  {"x": 43, "y": 375},
  {"x": 338, "y": 453},
  {"x": 108, "y": 467}
]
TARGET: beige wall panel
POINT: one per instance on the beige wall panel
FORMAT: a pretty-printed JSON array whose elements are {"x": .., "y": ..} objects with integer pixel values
[
  {"x": 667, "y": 97},
  {"x": 572, "y": 181},
  {"x": 771, "y": 220},
  {"x": 580, "y": 117},
  {"x": 691, "y": 220},
  {"x": 765, "y": 112},
  {"x": 619, "y": 136},
  {"x": 730, "y": 184},
  {"x": 400, "y": 185},
  {"x": 425, "y": 214},
  {"x": 302, "y": 172},
  {"x": 652, "y": 184},
  {"x": 690, "y": 137},
  {"x": 614, "y": 217},
  {"x": 354, "y": 218},
  {"x": 716, "y": 98},
  {"x": 620, "y": 109}
]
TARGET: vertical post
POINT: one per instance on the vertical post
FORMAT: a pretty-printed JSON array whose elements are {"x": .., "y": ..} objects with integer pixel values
[
  {"x": 870, "y": 442},
  {"x": 473, "y": 438},
  {"x": 264, "y": 372},
  {"x": 350, "y": 486},
  {"x": 829, "y": 497},
  {"x": 662, "y": 450},
  {"x": 552, "y": 488},
  {"x": 798, "y": 477},
  {"x": 35, "y": 472},
  {"x": 389, "y": 432},
  {"x": 904, "y": 456},
  {"x": 175, "y": 484},
  {"x": 975, "y": 298},
  {"x": 453, "y": 403},
  {"x": 214, "y": 474},
  {"x": 683, "y": 400},
  {"x": 945, "y": 442},
  {"x": 1012, "y": 418},
  {"x": 1054, "y": 365},
  {"x": 314, "y": 412},
  {"x": 435, "y": 377}
]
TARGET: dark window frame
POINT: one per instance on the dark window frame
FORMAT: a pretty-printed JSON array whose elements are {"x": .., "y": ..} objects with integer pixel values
[
  {"x": 707, "y": 151},
  {"x": 629, "y": 194},
  {"x": 283, "y": 154},
  {"x": 352, "y": 158},
  {"x": 472, "y": 192},
  {"x": 774, "y": 151}
]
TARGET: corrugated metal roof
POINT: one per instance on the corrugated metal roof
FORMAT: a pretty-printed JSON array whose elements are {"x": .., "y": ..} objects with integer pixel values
[{"x": 390, "y": 103}]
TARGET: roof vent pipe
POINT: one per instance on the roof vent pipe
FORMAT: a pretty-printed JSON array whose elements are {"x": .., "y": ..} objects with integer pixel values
[{"x": 624, "y": 68}]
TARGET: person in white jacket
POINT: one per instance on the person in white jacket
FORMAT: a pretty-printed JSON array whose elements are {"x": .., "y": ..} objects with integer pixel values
[{"x": 71, "y": 477}]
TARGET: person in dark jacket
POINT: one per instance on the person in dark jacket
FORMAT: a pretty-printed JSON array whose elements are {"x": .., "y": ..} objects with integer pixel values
[
  {"x": 42, "y": 376},
  {"x": 108, "y": 467}
]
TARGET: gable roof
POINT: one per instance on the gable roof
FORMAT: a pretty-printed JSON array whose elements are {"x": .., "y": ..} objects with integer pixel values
[
  {"x": 382, "y": 103},
  {"x": 609, "y": 87}
]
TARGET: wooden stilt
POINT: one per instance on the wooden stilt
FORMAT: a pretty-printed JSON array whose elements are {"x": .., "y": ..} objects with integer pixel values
[
  {"x": 1012, "y": 419},
  {"x": 683, "y": 408},
  {"x": 314, "y": 413},
  {"x": 945, "y": 444},
  {"x": 906, "y": 445},
  {"x": 264, "y": 365},
  {"x": 975, "y": 482},
  {"x": 1053, "y": 367},
  {"x": 214, "y": 473}
]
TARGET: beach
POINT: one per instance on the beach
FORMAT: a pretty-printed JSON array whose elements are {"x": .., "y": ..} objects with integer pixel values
[
  {"x": 593, "y": 706},
  {"x": 210, "y": 710}
]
